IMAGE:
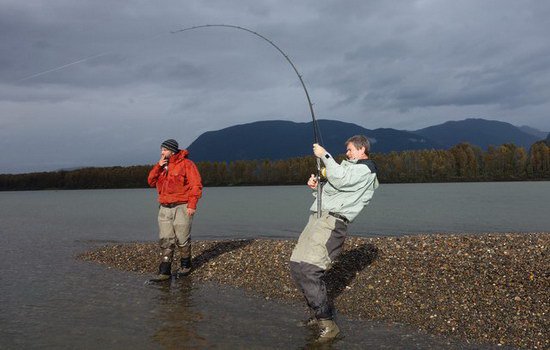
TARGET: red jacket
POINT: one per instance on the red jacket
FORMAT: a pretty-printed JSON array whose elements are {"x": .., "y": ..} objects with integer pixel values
[{"x": 180, "y": 182}]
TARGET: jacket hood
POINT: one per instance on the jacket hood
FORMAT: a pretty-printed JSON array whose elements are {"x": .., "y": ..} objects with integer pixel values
[{"x": 182, "y": 154}]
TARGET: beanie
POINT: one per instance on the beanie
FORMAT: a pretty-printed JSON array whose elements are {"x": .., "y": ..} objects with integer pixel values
[{"x": 171, "y": 145}]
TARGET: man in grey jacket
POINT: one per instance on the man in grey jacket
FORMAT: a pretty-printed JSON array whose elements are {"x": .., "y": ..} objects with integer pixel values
[{"x": 349, "y": 187}]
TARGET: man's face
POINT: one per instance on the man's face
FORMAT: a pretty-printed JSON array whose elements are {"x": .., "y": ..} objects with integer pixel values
[
  {"x": 353, "y": 153},
  {"x": 165, "y": 153}
]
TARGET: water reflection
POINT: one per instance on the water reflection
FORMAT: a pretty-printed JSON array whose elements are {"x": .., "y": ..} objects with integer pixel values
[
  {"x": 177, "y": 312},
  {"x": 176, "y": 316}
]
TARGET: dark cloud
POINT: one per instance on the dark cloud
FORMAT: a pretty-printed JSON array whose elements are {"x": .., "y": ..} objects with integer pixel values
[{"x": 111, "y": 78}]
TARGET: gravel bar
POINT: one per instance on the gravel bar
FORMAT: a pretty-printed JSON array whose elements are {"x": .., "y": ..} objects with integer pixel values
[{"x": 487, "y": 288}]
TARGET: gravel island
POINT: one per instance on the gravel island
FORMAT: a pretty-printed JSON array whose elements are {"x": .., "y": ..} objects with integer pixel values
[{"x": 488, "y": 288}]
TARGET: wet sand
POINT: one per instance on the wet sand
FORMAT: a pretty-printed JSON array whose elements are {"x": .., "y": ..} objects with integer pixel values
[{"x": 488, "y": 288}]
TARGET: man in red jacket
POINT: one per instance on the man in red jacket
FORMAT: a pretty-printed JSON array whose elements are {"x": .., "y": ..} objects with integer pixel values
[{"x": 179, "y": 186}]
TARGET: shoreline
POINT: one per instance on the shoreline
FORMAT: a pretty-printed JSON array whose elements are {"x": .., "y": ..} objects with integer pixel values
[
  {"x": 298, "y": 183},
  {"x": 488, "y": 288}
]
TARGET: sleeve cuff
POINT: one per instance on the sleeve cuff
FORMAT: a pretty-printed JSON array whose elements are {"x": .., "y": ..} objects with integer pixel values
[{"x": 327, "y": 159}]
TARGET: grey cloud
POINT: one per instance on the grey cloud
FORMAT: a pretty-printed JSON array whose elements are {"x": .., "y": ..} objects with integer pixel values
[{"x": 391, "y": 64}]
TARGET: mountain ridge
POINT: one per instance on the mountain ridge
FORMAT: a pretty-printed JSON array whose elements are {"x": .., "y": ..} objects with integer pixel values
[
  {"x": 282, "y": 139},
  {"x": 479, "y": 132},
  {"x": 279, "y": 139}
]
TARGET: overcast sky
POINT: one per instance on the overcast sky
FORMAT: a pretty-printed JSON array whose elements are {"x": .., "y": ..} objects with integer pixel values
[{"x": 100, "y": 83}]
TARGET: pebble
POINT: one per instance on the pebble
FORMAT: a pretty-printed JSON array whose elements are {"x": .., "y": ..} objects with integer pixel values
[{"x": 488, "y": 288}]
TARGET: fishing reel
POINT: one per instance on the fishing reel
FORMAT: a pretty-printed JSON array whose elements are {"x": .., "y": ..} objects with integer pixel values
[{"x": 323, "y": 173}]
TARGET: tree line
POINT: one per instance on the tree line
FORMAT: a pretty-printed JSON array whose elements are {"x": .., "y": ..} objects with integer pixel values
[{"x": 462, "y": 162}]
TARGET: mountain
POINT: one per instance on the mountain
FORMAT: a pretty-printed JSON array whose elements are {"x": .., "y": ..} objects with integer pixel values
[
  {"x": 536, "y": 132},
  {"x": 279, "y": 139},
  {"x": 480, "y": 132}
]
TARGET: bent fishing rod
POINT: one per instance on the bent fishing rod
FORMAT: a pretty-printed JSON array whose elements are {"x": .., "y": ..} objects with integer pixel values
[{"x": 316, "y": 132}]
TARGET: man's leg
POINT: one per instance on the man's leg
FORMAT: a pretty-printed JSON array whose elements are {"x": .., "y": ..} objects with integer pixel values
[
  {"x": 167, "y": 242},
  {"x": 319, "y": 244},
  {"x": 297, "y": 277},
  {"x": 182, "y": 228},
  {"x": 298, "y": 254},
  {"x": 308, "y": 277}
]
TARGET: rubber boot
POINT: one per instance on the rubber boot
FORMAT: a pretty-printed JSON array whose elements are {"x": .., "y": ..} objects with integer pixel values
[
  {"x": 329, "y": 331},
  {"x": 185, "y": 262},
  {"x": 185, "y": 267},
  {"x": 165, "y": 272}
]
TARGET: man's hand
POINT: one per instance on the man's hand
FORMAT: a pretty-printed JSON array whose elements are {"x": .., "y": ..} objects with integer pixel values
[
  {"x": 163, "y": 161},
  {"x": 191, "y": 212},
  {"x": 312, "y": 182},
  {"x": 318, "y": 150}
]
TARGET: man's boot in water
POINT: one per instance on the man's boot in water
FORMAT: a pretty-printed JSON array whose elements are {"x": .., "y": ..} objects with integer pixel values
[
  {"x": 185, "y": 261},
  {"x": 329, "y": 331},
  {"x": 185, "y": 267},
  {"x": 165, "y": 272}
]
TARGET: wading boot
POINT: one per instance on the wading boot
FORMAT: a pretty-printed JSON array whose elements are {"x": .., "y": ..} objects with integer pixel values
[
  {"x": 185, "y": 261},
  {"x": 329, "y": 331},
  {"x": 165, "y": 272},
  {"x": 185, "y": 267}
]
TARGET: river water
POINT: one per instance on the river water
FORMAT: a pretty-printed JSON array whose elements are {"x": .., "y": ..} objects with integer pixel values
[{"x": 50, "y": 300}]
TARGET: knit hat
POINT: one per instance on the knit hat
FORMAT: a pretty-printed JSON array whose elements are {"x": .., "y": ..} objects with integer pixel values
[{"x": 171, "y": 145}]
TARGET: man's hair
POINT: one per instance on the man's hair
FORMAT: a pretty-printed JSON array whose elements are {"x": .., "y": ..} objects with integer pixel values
[{"x": 360, "y": 141}]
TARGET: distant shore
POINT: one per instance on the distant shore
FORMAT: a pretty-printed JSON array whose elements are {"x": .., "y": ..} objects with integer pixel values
[{"x": 488, "y": 288}]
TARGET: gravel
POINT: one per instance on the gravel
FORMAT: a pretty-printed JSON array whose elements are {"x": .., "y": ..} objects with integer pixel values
[{"x": 487, "y": 288}]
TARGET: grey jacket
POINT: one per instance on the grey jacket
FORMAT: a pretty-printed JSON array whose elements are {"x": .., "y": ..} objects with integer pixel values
[{"x": 349, "y": 187}]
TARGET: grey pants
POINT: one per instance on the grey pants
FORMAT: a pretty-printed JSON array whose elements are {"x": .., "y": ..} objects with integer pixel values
[
  {"x": 319, "y": 244},
  {"x": 174, "y": 230}
]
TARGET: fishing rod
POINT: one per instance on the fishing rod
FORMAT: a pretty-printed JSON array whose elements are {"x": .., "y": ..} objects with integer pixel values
[{"x": 316, "y": 132}]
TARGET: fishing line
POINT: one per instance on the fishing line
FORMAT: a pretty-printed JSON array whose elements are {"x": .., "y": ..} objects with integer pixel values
[
  {"x": 81, "y": 60},
  {"x": 84, "y": 59},
  {"x": 316, "y": 131}
]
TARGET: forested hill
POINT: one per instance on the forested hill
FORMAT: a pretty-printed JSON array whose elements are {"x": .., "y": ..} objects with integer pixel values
[
  {"x": 279, "y": 139},
  {"x": 462, "y": 162}
]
